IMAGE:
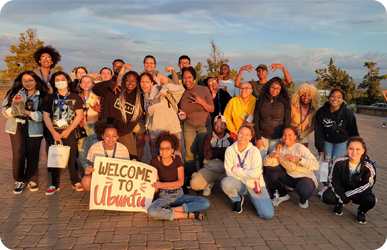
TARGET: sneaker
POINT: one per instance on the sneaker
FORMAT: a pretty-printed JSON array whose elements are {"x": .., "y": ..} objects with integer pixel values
[
  {"x": 305, "y": 205},
  {"x": 322, "y": 190},
  {"x": 238, "y": 206},
  {"x": 281, "y": 199},
  {"x": 32, "y": 186},
  {"x": 19, "y": 186},
  {"x": 52, "y": 190},
  {"x": 78, "y": 187},
  {"x": 360, "y": 217},
  {"x": 384, "y": 125},
  {"x": 338, "y": 210},
  {"x": 207, "y": 189}
]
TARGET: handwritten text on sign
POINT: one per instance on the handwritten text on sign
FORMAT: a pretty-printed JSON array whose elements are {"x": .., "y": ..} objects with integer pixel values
[{"x": 121, "y": 185}]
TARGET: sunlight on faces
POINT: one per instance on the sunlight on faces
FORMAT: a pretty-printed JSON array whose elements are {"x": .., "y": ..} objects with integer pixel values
[
  {"x": 355, "y": 150},
  {"x": 289, "y": 137},
  {"x": 106, "y": 75},
  {"x": 28, "y": 82},
  {"x": 86, "y": 83},
  {"x": 245, "y": 90},
  {"x": 224, "y": 70},
  {"x": 149, "y": 65},
  {"x": 212, "y": 84},
  {"x": 110, "y": 137},
  {"x": 166, "y": 149},
  {"x": 188, "y": 80},
  {"x": 336, "y": 99},
  {"x": 145, "y": 83},
  {"x": 80, "y": 72},
  {"x": 244, "y": 136},
  {"x": 219, "y": 127},
  {"x": 275, "y": 89},
  {"x": 131, "y": 83},
  {"x": 45, "y": 63},
  {"x": 306, "y": 98},
  {"x": 184, "y": 63},
  {"x": 262, "y": 74},
  {"x": 117, "y": 67},
  {"x": 61, "y": 77}
]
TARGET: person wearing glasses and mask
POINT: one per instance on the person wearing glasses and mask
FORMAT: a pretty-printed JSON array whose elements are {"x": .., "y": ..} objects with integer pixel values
[
  {"x": 219, "y": 96},
  {"x": 214, "y": 147},
  {"x": 46, "y": 57},
  {"x": 240, "y": 109}
]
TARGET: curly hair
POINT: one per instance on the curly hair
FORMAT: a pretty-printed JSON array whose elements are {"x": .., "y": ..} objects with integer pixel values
[
  {"x": 167, "y": 136},
  {"x": 283, "y": 96},
  {"x": 79, "y": 88},
  {"x": 307, "y": 88},
  {"x": 55, "y": 56},
  {"x": 138, "y": 110},
  {"x": 70, "y": 84},
  {"x": 110, "y": 122},
  {"x": 18, "y": 85}
]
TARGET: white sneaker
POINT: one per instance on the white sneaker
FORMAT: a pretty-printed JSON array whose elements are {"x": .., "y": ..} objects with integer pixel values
[
  {"x": 322, "y": 190},
  {"x": 78, "y": 187},
  {"x": 305, "y": 205},
  {"x": 32, "y": 186},
  {"x": 281, "y": 199},
  {"x": 207, "y": 189},
  {"x": 19, "y": 186}
]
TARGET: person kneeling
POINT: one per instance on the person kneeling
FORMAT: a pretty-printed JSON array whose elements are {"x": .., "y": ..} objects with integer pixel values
[
  {"x": 214, "y": 147},
  {"x": 109, "y": 129},
  {"x": 351, "y": 180},
  {"x": 292, "y": 165},
  {"x": 172, "y": 203},
  {"x": 243, "y": 164}
]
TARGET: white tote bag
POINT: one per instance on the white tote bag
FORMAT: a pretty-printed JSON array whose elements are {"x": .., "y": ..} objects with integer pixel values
[
  {"x": 58, "y": 155},
  {"x": 322, "y": 172}
]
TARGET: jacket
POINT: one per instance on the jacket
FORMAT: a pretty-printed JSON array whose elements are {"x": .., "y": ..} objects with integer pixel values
[
  {"x": 325, "y": 129},
  {"x": 345, "y": 187},
  {"x": 214, "y": 149},
  {"x": 35, "y": 124},
  {"x": 271, "y": 118}
]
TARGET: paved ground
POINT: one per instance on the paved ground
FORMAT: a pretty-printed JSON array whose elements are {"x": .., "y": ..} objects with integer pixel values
[{"x": 63, "y": 221}]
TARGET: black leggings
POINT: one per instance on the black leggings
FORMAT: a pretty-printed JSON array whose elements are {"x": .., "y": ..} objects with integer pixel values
[
  {"x": 72, "y": 165},
  {"x": 366, "y": 200}
]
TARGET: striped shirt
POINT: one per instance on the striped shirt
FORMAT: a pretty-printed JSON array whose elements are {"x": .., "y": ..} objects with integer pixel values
[{"x": 97, "y": 150}]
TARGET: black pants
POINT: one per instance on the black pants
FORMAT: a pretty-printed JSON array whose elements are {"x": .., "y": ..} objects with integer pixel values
[
  {"x": 72, "y": 165},
  {"x": 275, "y": 176},
  {"x": 25, "y": 147},
  {"x": 366, "y": 200}
]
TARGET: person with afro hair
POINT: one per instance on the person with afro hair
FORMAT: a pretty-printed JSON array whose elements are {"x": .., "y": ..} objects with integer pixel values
[{"x": 47, "y": 58}]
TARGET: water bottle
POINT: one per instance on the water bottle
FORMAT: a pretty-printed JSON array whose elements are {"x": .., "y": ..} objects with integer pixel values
[{"x": 276, "y": 198}]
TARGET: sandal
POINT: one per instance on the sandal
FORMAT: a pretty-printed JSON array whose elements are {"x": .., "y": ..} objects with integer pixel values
[{"x": 198, "y": 215}]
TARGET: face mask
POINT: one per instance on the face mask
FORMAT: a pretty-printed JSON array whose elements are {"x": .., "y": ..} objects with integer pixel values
[{"x": 61, "y": 85}]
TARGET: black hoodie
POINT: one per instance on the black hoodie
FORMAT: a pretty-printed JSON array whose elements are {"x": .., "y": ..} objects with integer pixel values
[{"x": 326, "y": 129}]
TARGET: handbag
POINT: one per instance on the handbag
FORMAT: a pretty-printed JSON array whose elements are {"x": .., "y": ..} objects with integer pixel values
[
  {"x": 80, "y": 132},
  {"x": 322, "y": 172},
  {"x": 58, "y": 155}
]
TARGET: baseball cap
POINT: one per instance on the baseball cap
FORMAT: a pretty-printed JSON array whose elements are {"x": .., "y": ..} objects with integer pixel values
[
  {"x": 262, "y": 66},
  {"x": 221, "y": 118}
]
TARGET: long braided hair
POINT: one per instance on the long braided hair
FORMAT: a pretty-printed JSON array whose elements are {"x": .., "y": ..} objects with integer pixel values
[{"x": 138, "y": 110}]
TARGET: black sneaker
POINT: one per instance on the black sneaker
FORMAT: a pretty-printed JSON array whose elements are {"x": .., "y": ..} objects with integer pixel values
[
  {"x": 360, "y": 217},
  {"x": 19, "y": 186},
  {"x": 338, "y": 210},
  {"x": 238, "y": 206}
]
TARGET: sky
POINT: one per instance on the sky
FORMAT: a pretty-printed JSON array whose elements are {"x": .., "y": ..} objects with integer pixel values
[{"x": 301, "y": 35}]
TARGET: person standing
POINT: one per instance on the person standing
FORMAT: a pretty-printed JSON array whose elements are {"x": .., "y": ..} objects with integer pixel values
[
  {"x": 384, "y": 92},
  {"x": 225, "y": 82},
  {"x": 177, "y": 77},
  {"x": 220, "y": 97},
  {"x": 47, "y": 58}
]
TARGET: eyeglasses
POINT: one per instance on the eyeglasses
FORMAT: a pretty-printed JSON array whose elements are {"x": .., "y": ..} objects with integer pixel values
[
  {"x": 29, "y": 81},
  {"x": 217, "y": 124},
  {"x": 214, "y": 81},
  {"x": 245, "y": 89},
  {"x": 166, "y": 149},
  {"x": 45, "y": 58}
]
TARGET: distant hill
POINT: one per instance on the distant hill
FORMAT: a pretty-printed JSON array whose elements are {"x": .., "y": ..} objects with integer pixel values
[{"x": 383, "y": 84}]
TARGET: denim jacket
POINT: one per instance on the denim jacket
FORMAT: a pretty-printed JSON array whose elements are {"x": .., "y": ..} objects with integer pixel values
[{"x": 35, "y": 124}]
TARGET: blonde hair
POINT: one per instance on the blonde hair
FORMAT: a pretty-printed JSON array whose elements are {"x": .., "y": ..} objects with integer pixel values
[{"x": 305, "y": 88}]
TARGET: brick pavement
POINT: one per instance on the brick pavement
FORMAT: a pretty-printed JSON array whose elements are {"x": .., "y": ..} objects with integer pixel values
[{"x": 63, "y": 221}]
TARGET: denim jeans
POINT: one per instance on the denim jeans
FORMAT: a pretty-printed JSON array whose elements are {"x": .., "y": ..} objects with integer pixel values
[
  {"x": 84, "y": 144},
  {"x": 190, "y": 204},
  {"x": 336, "y": 150},
  {"x": 233, "y": 188},
  {"x": 269, "y": 146}
]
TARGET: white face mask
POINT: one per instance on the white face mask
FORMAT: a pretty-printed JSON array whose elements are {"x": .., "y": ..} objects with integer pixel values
[{"x": 61, "y": 85}]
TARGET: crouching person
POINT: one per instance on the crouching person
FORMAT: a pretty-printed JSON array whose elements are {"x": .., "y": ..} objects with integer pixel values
[
  {"x": 243, "y": 164},
  {"x": 214, "y": 147}
]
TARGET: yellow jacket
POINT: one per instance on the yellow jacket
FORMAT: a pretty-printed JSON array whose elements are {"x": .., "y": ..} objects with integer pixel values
[{"x": 237, "y": 113}]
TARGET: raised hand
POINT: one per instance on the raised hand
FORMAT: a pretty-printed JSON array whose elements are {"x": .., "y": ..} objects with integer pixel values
[
  {"x": 248, "y": 67},
  {"x": 274, "y": 66},
  {"x": 169, "y": 68}
]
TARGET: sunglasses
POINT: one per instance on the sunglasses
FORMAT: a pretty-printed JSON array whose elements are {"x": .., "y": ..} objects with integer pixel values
[{"x": 217, "y": 124}]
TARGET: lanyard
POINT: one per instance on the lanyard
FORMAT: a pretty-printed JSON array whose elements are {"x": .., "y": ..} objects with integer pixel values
[
  {"x": 84, "y": 103},
  {"x": 61, "y": 103},
  {"x": 220, "y": 106},
  {"x": 31, "y": 95},
  {"x": 48, "y": 77},
  {"x": 147, "y": 106},
  {"x": 114, "y": 151},
  {"x": 241, "y": 163},
  {"x": 301, "y": 121}
]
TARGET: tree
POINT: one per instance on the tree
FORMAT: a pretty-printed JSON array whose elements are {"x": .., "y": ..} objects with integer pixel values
[
  {"x": 22, "y": 59},
  {"x": 336, "y": 78},
  {"x": 371, "y": 85}
]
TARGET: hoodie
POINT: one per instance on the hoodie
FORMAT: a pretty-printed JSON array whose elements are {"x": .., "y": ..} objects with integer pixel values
[
  {"x": 325, "y": 129},
  {"x": 251, "y": 171}
]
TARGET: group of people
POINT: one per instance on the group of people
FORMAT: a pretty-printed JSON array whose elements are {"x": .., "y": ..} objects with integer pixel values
[{"x": 252, "y": 137}]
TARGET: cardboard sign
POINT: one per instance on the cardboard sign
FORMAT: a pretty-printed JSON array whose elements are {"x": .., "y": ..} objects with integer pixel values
[{"x": 121, "y": 185}]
